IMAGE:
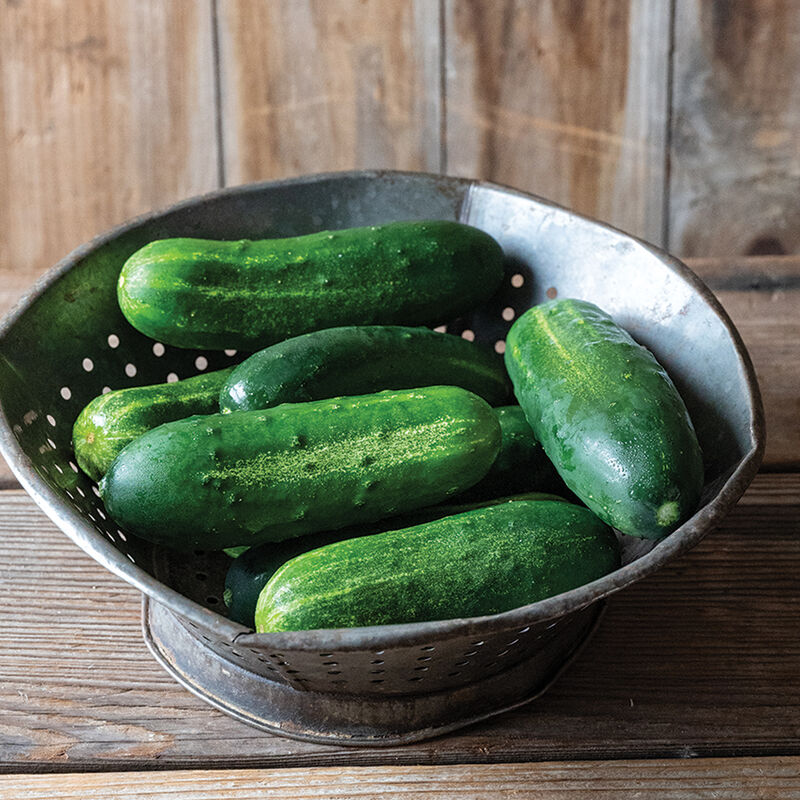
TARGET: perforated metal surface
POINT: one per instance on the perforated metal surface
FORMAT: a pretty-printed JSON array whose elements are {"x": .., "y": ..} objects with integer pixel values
[{"x": 68, "y": 342}]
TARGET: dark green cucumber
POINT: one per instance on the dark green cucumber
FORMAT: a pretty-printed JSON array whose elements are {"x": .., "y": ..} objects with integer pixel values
[
  {"x": 111, "y": 421},
  {"x": 250, "y": 294},
  {"x": 249, "y": 573},
  {"x": 240, "y": 479},
  {"x": 521, "y": 465},
  {"x": 484, "y": 561},
  {"x": 362, "y": 359},
  {"x": 608, "y": 416}
]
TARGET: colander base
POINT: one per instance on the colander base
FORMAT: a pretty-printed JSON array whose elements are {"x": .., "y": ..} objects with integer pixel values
[{"x": 340, "y": 719}]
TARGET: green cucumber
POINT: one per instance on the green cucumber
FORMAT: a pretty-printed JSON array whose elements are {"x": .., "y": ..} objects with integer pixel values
[
  {"x": 608, "y": 416},
  {"x": 480, "y": 562},
  {"x": 113, "y": 420},
  {"x": 521, "y": 465},
  {"x": 225, "y": 480},
  {"x": 249, "y": 573},
  {"x": 362, "y": 359},
  {"x": 251, "y": 294}
]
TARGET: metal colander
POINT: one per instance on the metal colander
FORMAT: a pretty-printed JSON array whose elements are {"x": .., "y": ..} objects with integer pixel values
[{"x": 67, "y": 341}]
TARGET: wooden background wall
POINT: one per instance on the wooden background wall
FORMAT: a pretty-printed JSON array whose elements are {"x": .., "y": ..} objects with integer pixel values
[{"x": 678, "y": 120}]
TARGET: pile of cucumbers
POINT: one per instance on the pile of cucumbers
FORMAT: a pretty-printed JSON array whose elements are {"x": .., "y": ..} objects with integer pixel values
[{"x": 376, "y": 470}]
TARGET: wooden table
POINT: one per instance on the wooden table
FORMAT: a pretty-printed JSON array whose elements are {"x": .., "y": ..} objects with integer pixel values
[{"x": 691, "y": 687}]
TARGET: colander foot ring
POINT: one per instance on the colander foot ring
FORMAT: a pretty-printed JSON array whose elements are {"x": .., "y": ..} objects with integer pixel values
[{"x": 338, "y": 719}]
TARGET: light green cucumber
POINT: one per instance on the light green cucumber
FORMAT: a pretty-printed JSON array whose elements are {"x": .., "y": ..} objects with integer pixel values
[{"x": 113, "y": 420}]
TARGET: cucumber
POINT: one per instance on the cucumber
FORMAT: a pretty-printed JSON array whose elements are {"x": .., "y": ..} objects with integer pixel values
[
  {"x": 113, "y": 420},
  {"x": 480, "y": 562},
  {"x": 226, "y": 480},
  {"x": 521, "y": 465},
  {"x": 249, "y": 573},
  {"x": 608, "y": 416},
  {"x": 358, "y": 360},
  {"x": 251, "y": 294}
]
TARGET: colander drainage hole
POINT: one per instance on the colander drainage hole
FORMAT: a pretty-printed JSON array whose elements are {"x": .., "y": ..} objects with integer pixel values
[
  {"x": 88, "y": 364},
  {"x": 130, "y": 370},
  {"x": 414, "y": 680},
  {"x": 508, "y": 313},
  {"x": 377, "y": 680},
  {"x": 377, "y": 661},
  {"x": 211, "y": 600},
  {"x": 424, "y": 658},
  {"x": 462, "y": 663},
  {"x": 172, "y": 377},
  {"x": 201, "y": 576},
  {"x": 421, "y": 669},
  {"x": 66, "y": 393},
  {"x": 477, "y": 644},
  {"x": 113, "y": 341},
  {"x": 159, "y": 349},
  {"x": 427, "y": 648},
  {"x": 468, "y": 335},
  {"x": 500, "y": 346},
  {"x": 517, "y": 280},
  {"x": 201, "y": 362},
  {"x": 51, "y": 419}
]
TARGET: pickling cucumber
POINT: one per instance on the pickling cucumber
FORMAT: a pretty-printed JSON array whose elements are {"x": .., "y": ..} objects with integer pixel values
[
  {"x": 250, "y": 571},
  {"x": 521, "y": 464},
  {"x": 250, "y": 294},
  {"x": 224, "y": 480},
  {"x": 484, "y": 561},
  {"x": 113, "y": 420},
  {"x": 361, "y": 359},
  {"x": 608, "y": 416}
]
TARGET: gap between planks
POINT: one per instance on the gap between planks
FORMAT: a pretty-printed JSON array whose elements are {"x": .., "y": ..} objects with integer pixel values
[{"x": 776, "y": 778}]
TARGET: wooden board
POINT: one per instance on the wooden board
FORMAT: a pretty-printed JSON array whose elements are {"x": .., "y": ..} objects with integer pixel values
[
  {"x": 735, "y": 163},
  {"x": 106, "y": 111},
  {"x": 313, "y": 87},
  {"x": 734, "y": 779},
  {"x": 565, "y": 100},
  {"x": 762, "y": 296},
  {"x": 700, "y": 659}
]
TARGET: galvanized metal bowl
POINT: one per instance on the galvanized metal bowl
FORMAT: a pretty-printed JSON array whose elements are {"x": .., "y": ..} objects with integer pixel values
[{"x": 67, "y": 341}]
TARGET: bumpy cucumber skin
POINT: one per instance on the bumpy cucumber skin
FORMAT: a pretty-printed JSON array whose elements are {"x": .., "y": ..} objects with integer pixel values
[
  {"x": 479, "y": 562},
  {"x": 608, "y": 416},
  {"x": 240, "y": 479},
  {"x": 359, "y": 360},
  {"x": 251, "y": 571},
  {"x": 521, "y": 465},
  {"x": 113, "y": 420},
  {"x": 250, "y": 294}
]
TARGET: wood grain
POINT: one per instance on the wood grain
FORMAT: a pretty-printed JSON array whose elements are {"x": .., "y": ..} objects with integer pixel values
[
  {"x": 701, "y": 659},
  {"x": 735, "y": 162},
  {"x": 762, "y": 297},
  {"x": 734, "y": 779},
  {"x": 106, "y": 111},
  {"x": 566, "y": 100},
  {"x": 312, "y": 87}
]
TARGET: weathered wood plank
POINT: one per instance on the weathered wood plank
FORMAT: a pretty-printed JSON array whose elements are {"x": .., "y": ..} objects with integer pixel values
[
  {"x": 735, "y": 163},
  {"x": 762, "y": 297},
  {"x": 698, "y": 660},
  {"x": 733, "y": 778},
  {"x": 312, "y": 87},
  {"x": 106, "y": 110},
  {"x": 566, "y": 100}
]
